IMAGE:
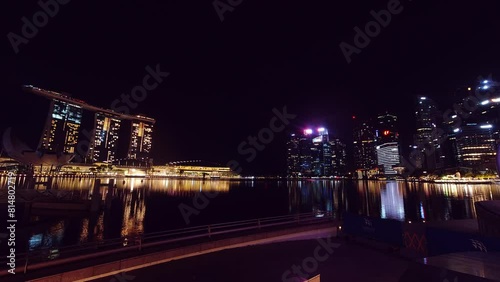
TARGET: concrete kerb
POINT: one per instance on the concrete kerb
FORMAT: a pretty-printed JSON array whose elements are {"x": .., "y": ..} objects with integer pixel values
[{"x": 129, "y": 264}]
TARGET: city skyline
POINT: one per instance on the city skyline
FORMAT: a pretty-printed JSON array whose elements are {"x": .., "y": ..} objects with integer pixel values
[
  {"x": 221, "y": 74},
  {"x": 66, "y": 112},
  {"x": 157, "y": 140}
]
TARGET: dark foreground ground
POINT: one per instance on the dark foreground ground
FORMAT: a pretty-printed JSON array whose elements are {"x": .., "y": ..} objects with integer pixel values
[{"x": 347, "y": 262}]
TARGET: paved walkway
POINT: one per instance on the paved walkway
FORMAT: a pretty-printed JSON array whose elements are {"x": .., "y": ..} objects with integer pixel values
[{"x": 270, "y": 260}]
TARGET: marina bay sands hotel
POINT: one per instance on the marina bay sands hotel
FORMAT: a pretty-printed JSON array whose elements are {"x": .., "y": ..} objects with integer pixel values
[{"x": 62, "y": 133}]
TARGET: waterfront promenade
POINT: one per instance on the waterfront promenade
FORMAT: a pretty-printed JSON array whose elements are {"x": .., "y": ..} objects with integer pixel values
[
  {"x": 349, "y": 260},
  {"x": 412, "y": 205},
  {"x": 270, "y": 261},
  {"x": 280, "y": 254},
  {"x": 83, "y": 262}
]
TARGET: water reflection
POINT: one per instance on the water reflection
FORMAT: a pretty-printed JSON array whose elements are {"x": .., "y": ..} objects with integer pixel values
[
  {"x": 392, "y": 202},
  {"x": 136, "y": 205},
  {"x": 310, "y": 196}
]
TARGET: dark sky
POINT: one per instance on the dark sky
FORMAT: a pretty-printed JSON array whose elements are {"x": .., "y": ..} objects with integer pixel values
[{"x": 226, "y": 77}]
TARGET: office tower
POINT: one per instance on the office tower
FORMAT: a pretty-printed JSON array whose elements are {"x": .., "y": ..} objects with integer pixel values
[
  {"x": 339, "y": 157},
  {"x": 62, "y": 127},
  {"x": 293, "y": 161},
  {"x": 309, "y": 153},
  {"x": 388, "y": 149},
  {"x": 478, "y": 130},
  {"x": 141, "y": 139},
  {"x": 489, "y": 106},
  {"x": 426, "y": 138},
  {"x": 452, "y": 122},
  {"x": 106, "y": 133},
  {"x": 365, "y": 154},
  {"x": 386, "y": 129},
  {"x": 388, "y": 156},
  {"x": 321, "y": 153},
  {"x": 305, "y": 153},
  {"x": 449, "y": 145},
  {"x": 476, "y": 146}
]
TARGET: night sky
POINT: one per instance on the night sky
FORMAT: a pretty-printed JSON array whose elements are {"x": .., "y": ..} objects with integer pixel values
[{"x": 226, "y": 77}]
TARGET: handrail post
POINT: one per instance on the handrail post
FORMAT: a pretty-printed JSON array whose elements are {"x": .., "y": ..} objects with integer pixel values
[
  {"x": 26, "y": 262},
  {"x": 138, "y": 239}
]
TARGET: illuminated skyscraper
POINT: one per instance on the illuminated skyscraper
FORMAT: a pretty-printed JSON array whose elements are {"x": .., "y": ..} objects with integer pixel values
[
  {"x": 311, "y": 153},
  {"x": 426, "y": 137},
  {"x": 140, "y": 140},
  {"x": 476, "y": 146},
  {"x": 388, "y": 156},
  {"x": 105, "y": 143},
  {"x": 476, "y": 136},
  {"x": 62, "y": 127},
  {"x": 388, "y": 150},
  {"x": 293, "y": 155},
  {"x": 365, "y": 154},
  {"x": 321, "y": 153},
  {"x": 386, "y": 129},
  {"x": 339, "y": 157}
]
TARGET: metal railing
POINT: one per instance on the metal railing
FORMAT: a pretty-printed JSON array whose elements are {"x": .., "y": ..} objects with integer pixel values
[{"x": 48, "y": 257}]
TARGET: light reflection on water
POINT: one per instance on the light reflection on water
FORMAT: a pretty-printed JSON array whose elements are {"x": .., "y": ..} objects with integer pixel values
[
  {"x": 138, "y": 206},
  {"x": 392, "y": 202}
]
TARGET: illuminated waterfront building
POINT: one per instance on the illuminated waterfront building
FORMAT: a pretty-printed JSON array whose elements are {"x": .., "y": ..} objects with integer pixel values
[
  {"x": 62, "y": 131},
  {"x": 308, "y": 153},
  {"x": 195, "y": 169},
  {"x": 321, "y": 153},
  {"x": 388, "y": 157},
  {"x": 62, "y": 128},
  {"x": 476, "y": 146},
  {"x": 106, "y": 133},
  {"x": 388, "y": 149},
  {"x": 140, "y": 140}
]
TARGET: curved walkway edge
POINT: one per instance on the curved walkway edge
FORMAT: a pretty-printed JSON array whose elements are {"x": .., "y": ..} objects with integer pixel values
[{"x": 137, "y": 262}]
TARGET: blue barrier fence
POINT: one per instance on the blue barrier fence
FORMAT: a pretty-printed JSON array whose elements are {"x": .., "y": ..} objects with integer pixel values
[
  {"x": 383, "y": 230},
  {"x": 427, "y": 241},
  {"x": 442, "y": 241}
]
